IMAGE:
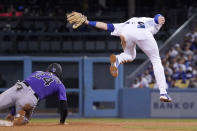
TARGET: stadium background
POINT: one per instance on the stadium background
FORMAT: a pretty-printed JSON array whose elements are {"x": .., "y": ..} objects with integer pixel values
[{"x": 34, "y": 33}]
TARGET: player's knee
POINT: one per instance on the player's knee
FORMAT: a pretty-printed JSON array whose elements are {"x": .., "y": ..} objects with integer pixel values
[
  {"x": 27, "y": 107},
  {"x": 131, "y": 57}
]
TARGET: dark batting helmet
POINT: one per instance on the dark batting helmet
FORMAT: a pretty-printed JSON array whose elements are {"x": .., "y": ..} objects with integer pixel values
[{"x": 55, "y": 68}]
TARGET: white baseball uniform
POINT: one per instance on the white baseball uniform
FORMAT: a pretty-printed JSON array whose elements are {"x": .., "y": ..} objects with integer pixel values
[{"x": 140, "y": 31}]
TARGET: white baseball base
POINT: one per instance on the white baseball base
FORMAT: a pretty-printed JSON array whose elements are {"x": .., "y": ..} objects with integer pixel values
[{"x": 6, "y": 123}]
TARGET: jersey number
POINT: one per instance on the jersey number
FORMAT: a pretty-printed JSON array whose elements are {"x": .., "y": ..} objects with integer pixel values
[
  {"x": 140, "y": 25},
  {"x": 47, "y": 81}
]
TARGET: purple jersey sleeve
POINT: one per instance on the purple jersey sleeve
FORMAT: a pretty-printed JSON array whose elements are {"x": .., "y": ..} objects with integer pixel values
[{"x": 62, "y": 93}]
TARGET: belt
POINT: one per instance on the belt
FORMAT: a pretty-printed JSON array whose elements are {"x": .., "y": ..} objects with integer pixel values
[
  {"x": 27, "y": 84},
  {"x": 37, "y": 96}
]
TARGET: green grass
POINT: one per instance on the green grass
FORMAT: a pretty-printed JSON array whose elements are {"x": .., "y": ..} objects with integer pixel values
[
  {"x": 162, "y": 127},
  {"x": 113, "y": 120}
]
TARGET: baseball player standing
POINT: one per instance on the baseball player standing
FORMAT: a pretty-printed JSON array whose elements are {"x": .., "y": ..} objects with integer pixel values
[
  {"x": 137, "y": 30},
  {"x": 25, "y": 95}
]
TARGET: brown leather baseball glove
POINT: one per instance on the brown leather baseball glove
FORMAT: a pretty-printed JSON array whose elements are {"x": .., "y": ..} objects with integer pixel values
[{"x": 76, "y": 18}]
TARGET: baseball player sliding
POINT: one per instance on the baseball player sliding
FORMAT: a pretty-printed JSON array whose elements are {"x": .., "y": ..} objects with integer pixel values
[
  {"x": 24, "y": 96},
  {"x": 137, "y": 30}
]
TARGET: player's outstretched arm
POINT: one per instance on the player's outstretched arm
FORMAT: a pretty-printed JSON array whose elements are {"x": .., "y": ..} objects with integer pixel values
[
  {"x": 100, "y": 25},
  {"x": 77, "y": 19},
  {"x": 63, "y": 111}
]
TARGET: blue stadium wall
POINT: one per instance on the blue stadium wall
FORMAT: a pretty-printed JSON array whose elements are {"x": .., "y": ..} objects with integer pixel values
[
  {"x": 96, "y": 101},
  {"x": 144, "y": 103}
]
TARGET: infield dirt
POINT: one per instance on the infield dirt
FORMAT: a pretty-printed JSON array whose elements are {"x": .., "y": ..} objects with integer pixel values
[{"x": 102, "y": 125}]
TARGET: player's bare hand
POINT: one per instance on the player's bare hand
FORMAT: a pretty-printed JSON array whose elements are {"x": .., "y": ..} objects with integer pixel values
[{"x": 161, "y": 20}]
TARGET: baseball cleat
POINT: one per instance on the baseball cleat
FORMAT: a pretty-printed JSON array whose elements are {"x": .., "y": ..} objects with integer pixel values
[
  {"x": 165, "y": 98},
  {"x": 113, "y": 68}
]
